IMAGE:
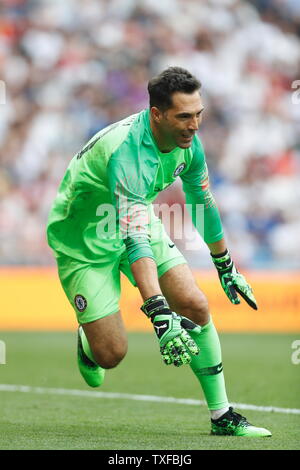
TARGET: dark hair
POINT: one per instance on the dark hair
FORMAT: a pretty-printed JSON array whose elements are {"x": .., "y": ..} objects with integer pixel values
[{"x": 169, "y": 81}]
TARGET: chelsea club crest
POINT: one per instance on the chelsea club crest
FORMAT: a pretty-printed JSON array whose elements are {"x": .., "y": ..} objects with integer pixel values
[{"x": 179, "y": 169}]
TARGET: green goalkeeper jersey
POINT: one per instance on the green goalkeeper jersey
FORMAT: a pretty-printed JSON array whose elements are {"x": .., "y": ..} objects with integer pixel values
[{"x": 103, "y": 205}]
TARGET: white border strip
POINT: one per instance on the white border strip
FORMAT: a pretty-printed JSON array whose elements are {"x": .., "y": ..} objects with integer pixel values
[{"x": 127, "y": 396}]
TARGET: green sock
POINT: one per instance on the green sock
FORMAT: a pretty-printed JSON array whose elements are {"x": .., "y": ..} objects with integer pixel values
[
  {"x": 207, "y": 366},
  {"x": 85, "y": 344}
]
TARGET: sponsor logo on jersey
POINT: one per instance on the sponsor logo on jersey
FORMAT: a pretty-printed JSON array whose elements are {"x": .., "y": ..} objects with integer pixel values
[
  {"x": 179, "y": 169},
  {"x": 80, "y": 302}
]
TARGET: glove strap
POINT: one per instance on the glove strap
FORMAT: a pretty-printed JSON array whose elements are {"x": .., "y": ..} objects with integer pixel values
[
  {"x": 223, "y": 261},
  {"x": 155, "y": 304}
]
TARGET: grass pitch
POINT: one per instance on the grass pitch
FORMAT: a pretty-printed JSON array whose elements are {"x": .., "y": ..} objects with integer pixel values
[{"x": 258, "y": 370}]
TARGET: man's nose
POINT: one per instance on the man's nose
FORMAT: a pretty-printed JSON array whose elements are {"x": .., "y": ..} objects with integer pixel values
[{"x": 194, "y": 124}]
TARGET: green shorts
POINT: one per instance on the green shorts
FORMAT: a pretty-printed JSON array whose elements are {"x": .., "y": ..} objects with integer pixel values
[{"x": 94, "y": 290}]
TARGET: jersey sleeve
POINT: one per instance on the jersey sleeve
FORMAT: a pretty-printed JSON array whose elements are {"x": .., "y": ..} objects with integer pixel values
[
  {"x": 200, "y": 201},
  {"x": 128, "y": 187}
]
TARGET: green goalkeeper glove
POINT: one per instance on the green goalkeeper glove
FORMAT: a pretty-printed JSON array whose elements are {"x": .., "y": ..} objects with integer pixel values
[
  {"x": 232, "y": 281},
  {"x": 171, "y": 329}
]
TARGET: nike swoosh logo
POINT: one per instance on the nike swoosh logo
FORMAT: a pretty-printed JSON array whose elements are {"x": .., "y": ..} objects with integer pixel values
[{"x": 171, "y": 246}]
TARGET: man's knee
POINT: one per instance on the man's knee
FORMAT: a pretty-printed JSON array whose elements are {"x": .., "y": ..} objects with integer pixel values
[
  {"x": 110, "y": 357},
  {"x": 107, "y": 339},
  {"x": 195, "y": 307}
]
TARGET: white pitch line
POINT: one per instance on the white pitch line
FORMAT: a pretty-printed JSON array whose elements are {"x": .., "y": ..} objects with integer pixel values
[{"x": 128, "y": 396}]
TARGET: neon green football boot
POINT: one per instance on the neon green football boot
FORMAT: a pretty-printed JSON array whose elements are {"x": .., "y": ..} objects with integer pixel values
[
  {"x": 90, "y": 371},
  {"x": 234, "y": 424}
]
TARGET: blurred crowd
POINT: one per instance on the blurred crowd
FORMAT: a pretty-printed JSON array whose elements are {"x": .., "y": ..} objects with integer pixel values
[{"x": 69, "y": 68}]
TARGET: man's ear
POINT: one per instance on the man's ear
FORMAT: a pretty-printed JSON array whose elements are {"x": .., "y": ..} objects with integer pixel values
[{"x": 156, "y": 114}]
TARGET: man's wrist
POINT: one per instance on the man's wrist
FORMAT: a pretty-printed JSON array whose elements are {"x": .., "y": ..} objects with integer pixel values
[
  {"x": 223, "y": 262},
  {"x": 144, "y": 271},
  {"x": 224, "y": 254},
  {"x": 155, "y": 304},
  {"x": 217, "y": 247}
]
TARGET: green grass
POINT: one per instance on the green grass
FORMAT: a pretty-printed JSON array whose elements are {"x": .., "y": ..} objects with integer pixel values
[{"x": 258, "y": 371}]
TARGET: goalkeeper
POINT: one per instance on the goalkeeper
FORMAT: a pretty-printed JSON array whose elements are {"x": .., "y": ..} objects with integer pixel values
[{"x": 102, "y": 222}]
